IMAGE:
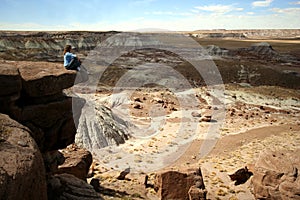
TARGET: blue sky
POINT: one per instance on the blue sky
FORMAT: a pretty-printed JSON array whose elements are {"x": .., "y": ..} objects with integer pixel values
[{"x": 127, "y": 15}]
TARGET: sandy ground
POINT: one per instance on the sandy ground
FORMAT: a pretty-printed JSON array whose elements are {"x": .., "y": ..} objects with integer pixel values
[
  {"x": 256, "y": 119},
  {"x": 235, "y": 152}
]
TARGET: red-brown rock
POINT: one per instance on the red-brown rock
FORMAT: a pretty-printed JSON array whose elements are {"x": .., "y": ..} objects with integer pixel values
[
  {"x": 22, "y": 172},
  {"x": 175, "y": 185},
  {"x": 77, "y": 163},
  {"x": 32, "y": 94}
]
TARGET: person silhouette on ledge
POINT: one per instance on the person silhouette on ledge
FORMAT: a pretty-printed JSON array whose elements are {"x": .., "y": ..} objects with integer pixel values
[{"x": 71, "y": 61}]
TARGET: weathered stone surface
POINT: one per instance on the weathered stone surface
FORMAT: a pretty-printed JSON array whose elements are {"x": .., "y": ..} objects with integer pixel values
[
  {"x": 53, "y": 124},
  {"x": 42, "y": 79},
  {"x": 77, "y": 163},
  {"x": 263, "y": 48},
  {"x": 47, "y": 115},
  {"x": 196, "y": 193},
  {"x": 214, "y": 50},
  {"x": 32, "y": 94},
  {"x": 10, "y": 86},
  {"x": 10, "y": 80},
  {"x": 8, "y": 104},
  {"x": 175, "y": 185},
  {"x": 22, "y": 173},
  {"x": 52, "y": 159},
  {"x": 276, "y": 175},
  {"x": 68, "y": 187},
  {"x": 98, "y": 128}
]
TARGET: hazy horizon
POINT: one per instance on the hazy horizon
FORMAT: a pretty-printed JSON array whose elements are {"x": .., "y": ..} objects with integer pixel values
[{"x": 177, "y": 15}]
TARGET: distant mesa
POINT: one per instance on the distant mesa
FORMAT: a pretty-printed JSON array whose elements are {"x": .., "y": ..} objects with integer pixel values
[{"x": 263, "y": 48}]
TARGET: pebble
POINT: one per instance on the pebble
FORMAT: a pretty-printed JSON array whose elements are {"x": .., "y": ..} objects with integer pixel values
[{"x": 22, "y": 143}]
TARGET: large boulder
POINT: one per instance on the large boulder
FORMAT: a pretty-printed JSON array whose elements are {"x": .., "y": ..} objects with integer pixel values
[
  {"x": 180, "y": 185},
  {"x": 276, "y": 175},
  {"x": 22, "y": 172},
  {"x": 77, "y": 162},
  {"x": 69, "y": 187}
]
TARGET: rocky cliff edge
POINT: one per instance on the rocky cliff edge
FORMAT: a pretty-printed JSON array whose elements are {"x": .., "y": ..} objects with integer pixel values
[{"x": 36, "y": 120}]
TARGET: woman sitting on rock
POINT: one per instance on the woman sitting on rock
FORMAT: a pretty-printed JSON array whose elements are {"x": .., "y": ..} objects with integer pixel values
[{"x": 71, "y": 61}]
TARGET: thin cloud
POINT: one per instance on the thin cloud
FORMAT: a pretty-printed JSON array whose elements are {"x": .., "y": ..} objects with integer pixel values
[
  {"x": 287, "y": 10},
  {"x": 30, "y": 26},
  {"x": 295, "y": 3},
  {"x": 265, "y": 3},
  {"x": 220, "y": 9},
  {"x": 170, "y": 13}
]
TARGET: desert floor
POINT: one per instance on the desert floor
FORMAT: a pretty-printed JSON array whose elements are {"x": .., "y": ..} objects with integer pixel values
[{"x": 256, "y": 119}]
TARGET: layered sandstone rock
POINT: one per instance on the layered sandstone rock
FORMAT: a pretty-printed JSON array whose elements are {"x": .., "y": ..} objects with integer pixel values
[
  {"x": 252, "y": 34},
  {"x": 21, "y": 163},
  {"x": 276, "y": 175},
  {"x": 32, "y": 94}
]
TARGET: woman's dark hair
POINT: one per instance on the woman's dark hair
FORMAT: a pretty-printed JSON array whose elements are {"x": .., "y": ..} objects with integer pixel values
[{"x": 67, "y": 49}]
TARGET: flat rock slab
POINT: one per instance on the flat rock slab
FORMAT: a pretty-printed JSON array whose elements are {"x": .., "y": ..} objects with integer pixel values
[
  {"x": 42, "y": 78},
  {"x": 77, "y": 162}
]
